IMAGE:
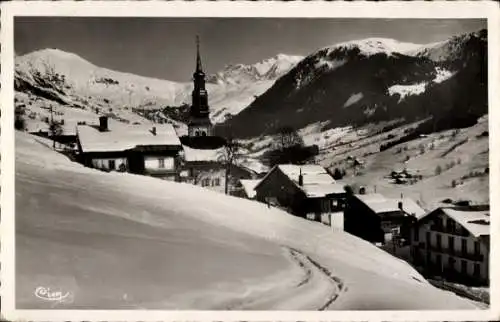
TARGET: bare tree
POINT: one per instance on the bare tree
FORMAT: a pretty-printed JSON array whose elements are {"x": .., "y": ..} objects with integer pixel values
[
  {"x": 55, "y": 127},
  {"x": 288, "y": 137},
  {"x": 230, "y": 156}
]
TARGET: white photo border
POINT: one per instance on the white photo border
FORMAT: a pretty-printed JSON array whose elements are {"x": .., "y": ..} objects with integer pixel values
[{"x": 415, "y": 9}]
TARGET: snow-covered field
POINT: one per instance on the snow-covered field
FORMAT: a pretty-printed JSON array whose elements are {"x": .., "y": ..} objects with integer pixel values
[{"x": 117, "y": 240}]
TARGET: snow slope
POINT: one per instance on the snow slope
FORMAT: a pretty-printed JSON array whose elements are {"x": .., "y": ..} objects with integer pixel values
[{"x": 123, "y": 241}]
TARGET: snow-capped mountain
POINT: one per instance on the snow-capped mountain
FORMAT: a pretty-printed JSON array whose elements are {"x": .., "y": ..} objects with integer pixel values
[
  {"x": 375, "y": 79},
  {"x": 266, "y": 70},
  {"x": 69, "y": 79},
  {"x": 72, "y": 77}
]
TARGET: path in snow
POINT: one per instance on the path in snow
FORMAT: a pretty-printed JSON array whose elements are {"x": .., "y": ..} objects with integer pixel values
[{"x": 316, "y": 289}]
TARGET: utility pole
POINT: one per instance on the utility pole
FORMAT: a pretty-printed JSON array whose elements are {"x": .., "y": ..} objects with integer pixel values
[{"x": 51, "y": 127}]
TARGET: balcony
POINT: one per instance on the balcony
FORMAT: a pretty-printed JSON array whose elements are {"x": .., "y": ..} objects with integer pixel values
[
  {"x": 456, "y": 231},
  {"x": 465, "y": 255}
]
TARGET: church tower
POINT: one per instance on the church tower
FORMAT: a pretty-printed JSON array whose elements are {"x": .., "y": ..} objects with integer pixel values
[{"x": 199, "y": 121}]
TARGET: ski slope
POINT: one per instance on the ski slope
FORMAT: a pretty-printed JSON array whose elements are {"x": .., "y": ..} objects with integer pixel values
[{"x": 121, "y": 241}]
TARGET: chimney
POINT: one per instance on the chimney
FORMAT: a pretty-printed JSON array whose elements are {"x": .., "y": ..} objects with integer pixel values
[
  {"x": 153, "y": 130},
  {"x": 103, "y": 123},
  {"x": 301, "y": 178}
]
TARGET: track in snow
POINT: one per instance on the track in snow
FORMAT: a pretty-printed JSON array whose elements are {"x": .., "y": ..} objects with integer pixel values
[{"x": 316, "y": 289}]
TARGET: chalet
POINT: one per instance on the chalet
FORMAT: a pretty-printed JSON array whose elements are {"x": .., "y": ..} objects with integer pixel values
[
  {"x": 378, "y": 219},
  {"x": 304, "y": 190},
  {"x": 141, "y": 149},
  {"x": 453, "y": 242}
]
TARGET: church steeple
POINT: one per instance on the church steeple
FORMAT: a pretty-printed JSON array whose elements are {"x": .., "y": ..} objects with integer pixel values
[
  {"x": 199, "y": 124},
  {"x": 198, "y": 57}
]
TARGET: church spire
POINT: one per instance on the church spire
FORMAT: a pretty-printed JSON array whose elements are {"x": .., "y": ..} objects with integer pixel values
[{"x": 198, "y": 57}]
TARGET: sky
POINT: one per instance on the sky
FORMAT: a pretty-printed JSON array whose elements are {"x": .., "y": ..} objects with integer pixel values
[{"x": 165, "y": 47}]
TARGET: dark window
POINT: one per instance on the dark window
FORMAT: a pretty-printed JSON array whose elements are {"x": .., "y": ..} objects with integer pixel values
[
  {"x": 203, "y": 133},
  {"x": 161, "y": 163},
  {"x": 438, "y": 241},
  {"x": 415, "y": 234},
  {"x": 463, "y": 266},
  {"x": 477, "y": 248},
  {"x": 439, "y": 264},
  {"x": 451, "y": 244},
  {"x": 464, "y": 246},
  {"x": 477, "y": 270},
  {"x": 197, "y": 133},
  {"x": 111, "y": 164},
  {"x": 451, "y": 262},
  {"x": 428, "y": 238},
  {"x": 217, "y": 181},
  {"x": 448, "y": 224},
  {"x": 428, "y": 255}
]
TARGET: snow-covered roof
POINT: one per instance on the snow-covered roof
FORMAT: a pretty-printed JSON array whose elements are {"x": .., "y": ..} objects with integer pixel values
[
  {"x": 311, "y": 173},
  {"x": 476, "y": 221},
  {"x": 248, "y": 186},
  {"x": 207, "y": 155},
  {"x": 379, "y": 204},
  {"x": 316, "y": 180},
  {"x": 123, "y": 137}
]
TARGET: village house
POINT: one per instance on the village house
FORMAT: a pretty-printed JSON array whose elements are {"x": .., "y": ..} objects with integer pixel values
[
  {"x": 304, "y": 190},
  {"x": 453, "y": 242},
  {"x": 140, "y": 149},
  {"x": 378, "y": 219}
]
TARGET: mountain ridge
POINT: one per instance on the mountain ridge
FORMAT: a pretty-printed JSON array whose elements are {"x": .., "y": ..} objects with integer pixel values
[{"x": 388, "y": 85}]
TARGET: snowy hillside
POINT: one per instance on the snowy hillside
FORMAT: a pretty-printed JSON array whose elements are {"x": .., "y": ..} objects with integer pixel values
[
  {"x": 116, "y": 246},
  {"x": 450, "y": 49},
  {"x": 70, "y": 80},
  {"x": 454, "y": 164}
]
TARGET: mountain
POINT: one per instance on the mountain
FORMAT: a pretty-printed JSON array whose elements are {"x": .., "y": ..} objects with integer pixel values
[
  {"x": 373, "y": 80},
  {"x": 69, "y": 80},
  {"x": 266, "y": 70}
]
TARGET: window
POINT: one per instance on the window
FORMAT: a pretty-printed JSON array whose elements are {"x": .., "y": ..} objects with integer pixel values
[
  {"x": 477, "y": 248},
  {"x": 451, "y": 244},
  {"x": 111, "y": 164},
  {"x": 415, "y": 234},
  {"x": 161, "y": 163},
  {"x": 335, "y": 204},
  {"x": 451, "y": 262},
  {"x": 428, "y": 238},
  {"x": 453, "y": 227},
  {"x": 438, "y": 241},
  {"x": 216, "y": 182},
  {"x": 197, "y": 133},
  {"x": 325, "y": 206},
  {"x": 428, "y": 257},
  {"x": 203, "y": 133},
  {"x": 439, "y": 264},
  {"x": 477, "y": 270},
  {"x": 464, "y": 246},
  {"x": 463, "y": 266}
]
